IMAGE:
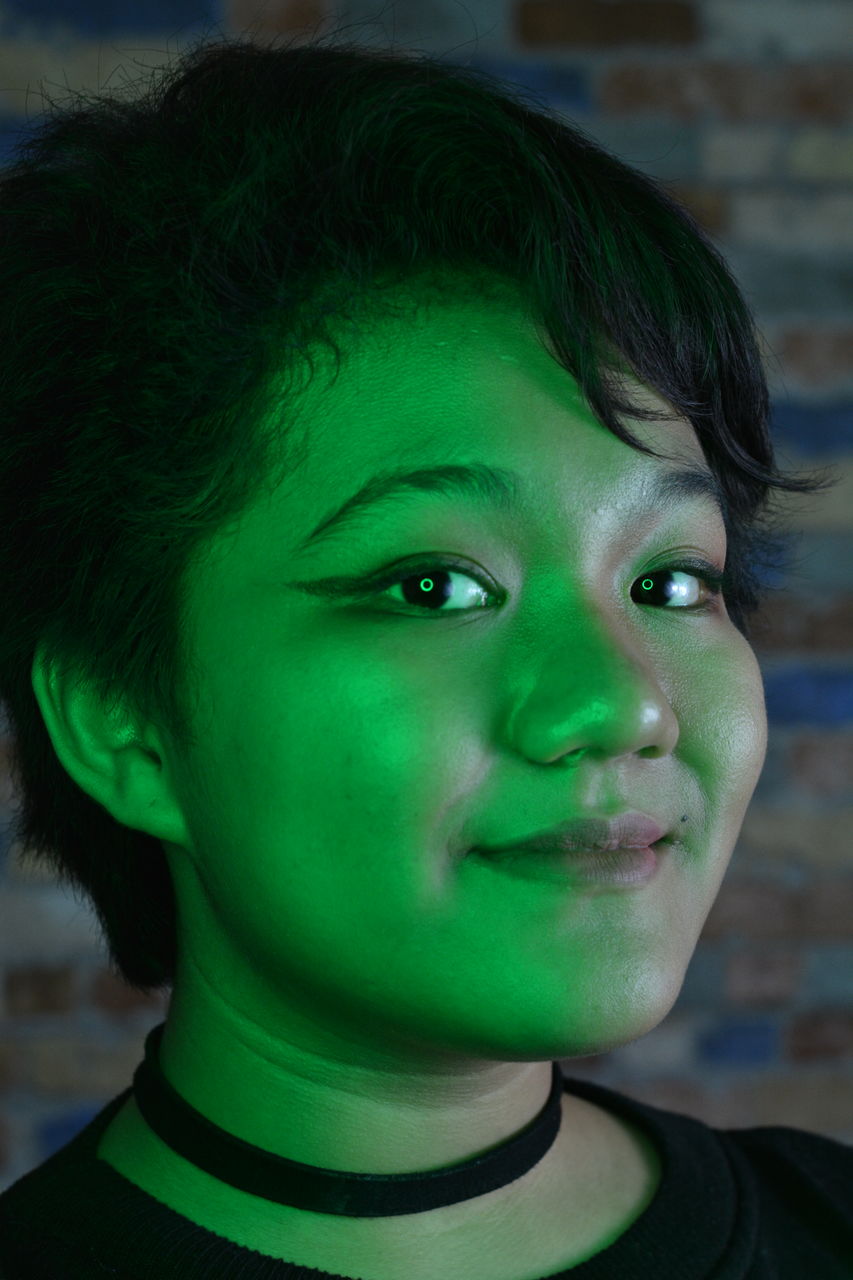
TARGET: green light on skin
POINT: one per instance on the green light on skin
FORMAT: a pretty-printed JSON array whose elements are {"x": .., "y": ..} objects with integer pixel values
[{"x": 352, "y": 992}]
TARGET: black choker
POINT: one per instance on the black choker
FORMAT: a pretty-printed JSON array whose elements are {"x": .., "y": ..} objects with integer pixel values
[{"x": 353, "y": 1195}]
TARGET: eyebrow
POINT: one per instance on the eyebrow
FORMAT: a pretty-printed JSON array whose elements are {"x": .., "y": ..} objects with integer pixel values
[{"x": 499, "y": 488}]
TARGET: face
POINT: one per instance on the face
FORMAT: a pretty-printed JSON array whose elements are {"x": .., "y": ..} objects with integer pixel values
[{"x": 354, "y": 748}]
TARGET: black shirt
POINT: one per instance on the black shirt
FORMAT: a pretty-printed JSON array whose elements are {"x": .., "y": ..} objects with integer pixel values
[{"x": 767, "y": 1203}]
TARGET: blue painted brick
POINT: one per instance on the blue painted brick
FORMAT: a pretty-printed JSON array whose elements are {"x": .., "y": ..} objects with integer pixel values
[
  {"x": 58, "y": 1130},
  {"x": 739, "y": 1043},
  {"x": 113, "y": 18},
  {"x": 558, "y": 86},
  {"x": 808, "y": 695},
  {"x": 816, "y": 430}
]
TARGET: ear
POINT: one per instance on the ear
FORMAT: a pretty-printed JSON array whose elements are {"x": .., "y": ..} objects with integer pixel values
[{"x": 124, "y": 769}]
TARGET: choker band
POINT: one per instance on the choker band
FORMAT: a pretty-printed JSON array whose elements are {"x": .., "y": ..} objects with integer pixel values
[{"x": 303, "y": 1186}]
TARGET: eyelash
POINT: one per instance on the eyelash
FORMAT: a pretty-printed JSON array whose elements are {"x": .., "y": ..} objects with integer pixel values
[{"x": 717, "y": 583}]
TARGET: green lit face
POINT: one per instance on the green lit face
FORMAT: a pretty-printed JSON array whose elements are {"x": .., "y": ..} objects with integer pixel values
[{"x": 353, "y": 750}]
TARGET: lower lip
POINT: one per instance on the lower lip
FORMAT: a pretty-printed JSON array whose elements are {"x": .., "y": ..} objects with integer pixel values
[{"x": 618, "y": 868}]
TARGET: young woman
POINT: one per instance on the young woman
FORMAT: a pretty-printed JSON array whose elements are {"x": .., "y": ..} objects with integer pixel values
[{"x": 292, "y": 648}]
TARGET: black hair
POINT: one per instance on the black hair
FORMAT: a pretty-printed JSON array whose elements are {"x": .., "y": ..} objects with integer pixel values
[{"x": 168, "y": 262}]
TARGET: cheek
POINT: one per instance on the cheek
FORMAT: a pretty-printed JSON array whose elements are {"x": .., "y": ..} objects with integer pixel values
[
  {"x": 728, "y": 731},
  {"x": 745, "y": 730},
  {"x": 354, "y": 752}
]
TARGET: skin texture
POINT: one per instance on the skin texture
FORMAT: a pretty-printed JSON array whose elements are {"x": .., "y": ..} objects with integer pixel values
[{"x": 355, "y": 990}]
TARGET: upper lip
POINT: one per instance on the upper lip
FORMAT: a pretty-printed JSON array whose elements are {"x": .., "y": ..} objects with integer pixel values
[{"x": 631, "y": 830}]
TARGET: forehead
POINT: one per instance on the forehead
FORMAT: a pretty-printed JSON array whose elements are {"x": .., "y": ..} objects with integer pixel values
[
  {"x": 451, "y": 380},
  {"x": 451, "y": 383}
]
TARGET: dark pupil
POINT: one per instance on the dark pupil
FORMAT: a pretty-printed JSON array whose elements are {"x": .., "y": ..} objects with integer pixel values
[
  {"x": 651, "y": 588},
  {"x": 427, "y": 588}
]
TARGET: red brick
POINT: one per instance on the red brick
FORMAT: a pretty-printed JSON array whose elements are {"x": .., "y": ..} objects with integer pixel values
[
  {"x": 605, "y": 24},
  {"x": 672, "y": 1093},
  {"x": 765, "y": 975},
  {"x": 710, "y": 208},
  {"x": 10, "y": 1065},
  {"x": 7, "y": 794},
  {"x": 275, "y": 16},
  {"x": 828, "y": 908},
  {"x": 818, "y": 1101},
  {"x": 109, "y": 993},
  {"x": 821, "y": 1035},
  {"x": 34, "y": 989},
  {"x": 816, "y": 356},
  {"x": 822, "y": 763},
  {"x": 751, "y": 907},
  {"x": 729, "y": 91},
  {"x": 785, "y": 621}
]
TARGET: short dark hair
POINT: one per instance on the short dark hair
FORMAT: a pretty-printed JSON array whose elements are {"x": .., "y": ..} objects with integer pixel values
[{"x": 168, "y": 261}]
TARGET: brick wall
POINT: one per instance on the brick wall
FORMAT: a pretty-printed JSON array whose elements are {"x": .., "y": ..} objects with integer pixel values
[{"x": 746, "y": 109}]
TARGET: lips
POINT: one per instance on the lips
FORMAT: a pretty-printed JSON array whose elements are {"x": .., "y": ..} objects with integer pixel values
[{"x": 589, "y": 834}]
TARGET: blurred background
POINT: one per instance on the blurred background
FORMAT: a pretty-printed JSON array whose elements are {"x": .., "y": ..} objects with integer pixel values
[{"x": 744, "y": 110}]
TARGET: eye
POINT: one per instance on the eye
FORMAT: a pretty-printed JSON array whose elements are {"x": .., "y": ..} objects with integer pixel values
[
  {"x": 430, "y": 585},
  {"x": 650, "y": 591},
  {"x": 434, "y": 584}
]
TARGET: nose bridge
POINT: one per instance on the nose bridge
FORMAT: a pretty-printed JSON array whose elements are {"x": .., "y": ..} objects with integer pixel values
[{"x": 588, "y": 683}]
